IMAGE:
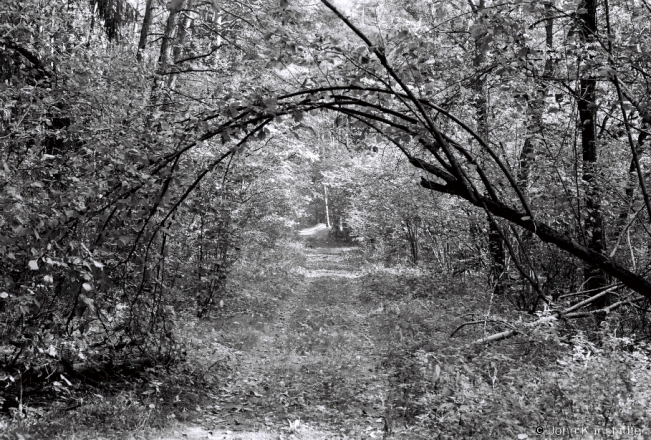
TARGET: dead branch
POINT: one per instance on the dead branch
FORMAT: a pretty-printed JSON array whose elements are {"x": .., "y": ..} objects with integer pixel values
[
  {"x": 605, "y": 310},
  {"x": 482, "y": 321},
  {"x": 565, "y": 314},
  {"x": 582, "y": 292},
  {"x": 590, "y": 300}
]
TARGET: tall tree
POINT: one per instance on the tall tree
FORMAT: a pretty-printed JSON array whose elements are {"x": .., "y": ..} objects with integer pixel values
[
  {"x": 145, "y": 29},
  {"x": 482, "y": 104},
  {"x": 593, "y": 225}
]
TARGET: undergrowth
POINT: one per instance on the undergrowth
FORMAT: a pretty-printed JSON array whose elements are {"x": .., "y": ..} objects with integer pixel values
[
  {"x": 290, "y": 340},
  {"x": 137, "y": 401},
  {"x": 536, "y": 383}
]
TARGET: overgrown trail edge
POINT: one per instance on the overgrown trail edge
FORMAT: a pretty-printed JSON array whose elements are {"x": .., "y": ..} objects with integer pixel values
[{"x": 310, "y": 371}]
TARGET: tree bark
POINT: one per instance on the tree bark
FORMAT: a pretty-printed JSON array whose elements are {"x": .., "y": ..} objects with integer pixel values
[
  {"x": 495, "y": 239},
  {"x": 164, "y": 55},
  {"x": 411, "y": 231},
  {"x": 533, "y": 143},
  {"x": 144, "y": 31},
  {"x": 327, "y": 211},
  {"x": 536, "y": 107},
  {"x": 168, "y": 34},
  {"x": 184, "y": 30},
  {"x": 632, "y": 177},
  {"x": 593, "y": 225}
]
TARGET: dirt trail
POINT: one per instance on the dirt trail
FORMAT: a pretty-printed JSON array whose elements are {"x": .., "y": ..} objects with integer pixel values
[{"x": 312, "y": 372}]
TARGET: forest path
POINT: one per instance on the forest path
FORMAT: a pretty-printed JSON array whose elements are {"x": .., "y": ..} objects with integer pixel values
[{"x": 311, "y": 371}]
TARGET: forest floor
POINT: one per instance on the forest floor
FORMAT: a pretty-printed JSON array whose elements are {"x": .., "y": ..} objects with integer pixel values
[
  {"x": 297, "y": 350},
  {"x": 311, "y": 341},
  {"x": 310, "y": 370}
]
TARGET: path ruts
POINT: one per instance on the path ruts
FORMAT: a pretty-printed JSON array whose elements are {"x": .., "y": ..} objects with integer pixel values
[{"x": 313, "y": 371}]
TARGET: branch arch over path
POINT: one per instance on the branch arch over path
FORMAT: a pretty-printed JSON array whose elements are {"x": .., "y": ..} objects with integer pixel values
[{"x": 405, "y": 120}]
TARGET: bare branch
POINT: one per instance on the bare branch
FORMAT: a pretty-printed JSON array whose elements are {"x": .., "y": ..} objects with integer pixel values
[
  {"x": 550, "y": 318},
  {"x": 481, "y": 321}
]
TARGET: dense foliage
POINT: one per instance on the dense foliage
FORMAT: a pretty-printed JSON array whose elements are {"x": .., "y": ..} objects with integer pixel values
[{"x": 146, "y": 149}]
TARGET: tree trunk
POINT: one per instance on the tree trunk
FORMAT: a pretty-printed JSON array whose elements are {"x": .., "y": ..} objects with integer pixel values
[
  {"x": 327, "y": 212},
  {"x": 495, "y": 240},
  {"x": 164, "y": 55},
  {"x": 533, "y": 143},
  {"x": 593, "y": 224},
  {"x": 632, "y": 177},
  {"x": 536, "y": 108},
  {"x": 168, "y": 34},
  {"x": 547, "y": 234},
  {"x": 411, "y": 230},
  {"x": 144, "y": 31},
  {"x": 184, "y": 30}
]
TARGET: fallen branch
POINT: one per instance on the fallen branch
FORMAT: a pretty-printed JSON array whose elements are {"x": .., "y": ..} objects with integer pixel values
[
  {"x": 481, "y": 321},
  {"x": 605, "y": 310},
  {"x": 496, "y": 337},
  {"x": 580, "y": 292},
  {"x": 590, "y": 300},
  {"x": 566, "y": 314}
]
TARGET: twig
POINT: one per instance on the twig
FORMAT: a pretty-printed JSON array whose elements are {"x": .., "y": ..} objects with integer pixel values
[
  {"x": 479, "y": 322},
  {"x": 559, "y": 314},
  {"x": 589, "y": 300},
  {"x": 582, "y": 292}
]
